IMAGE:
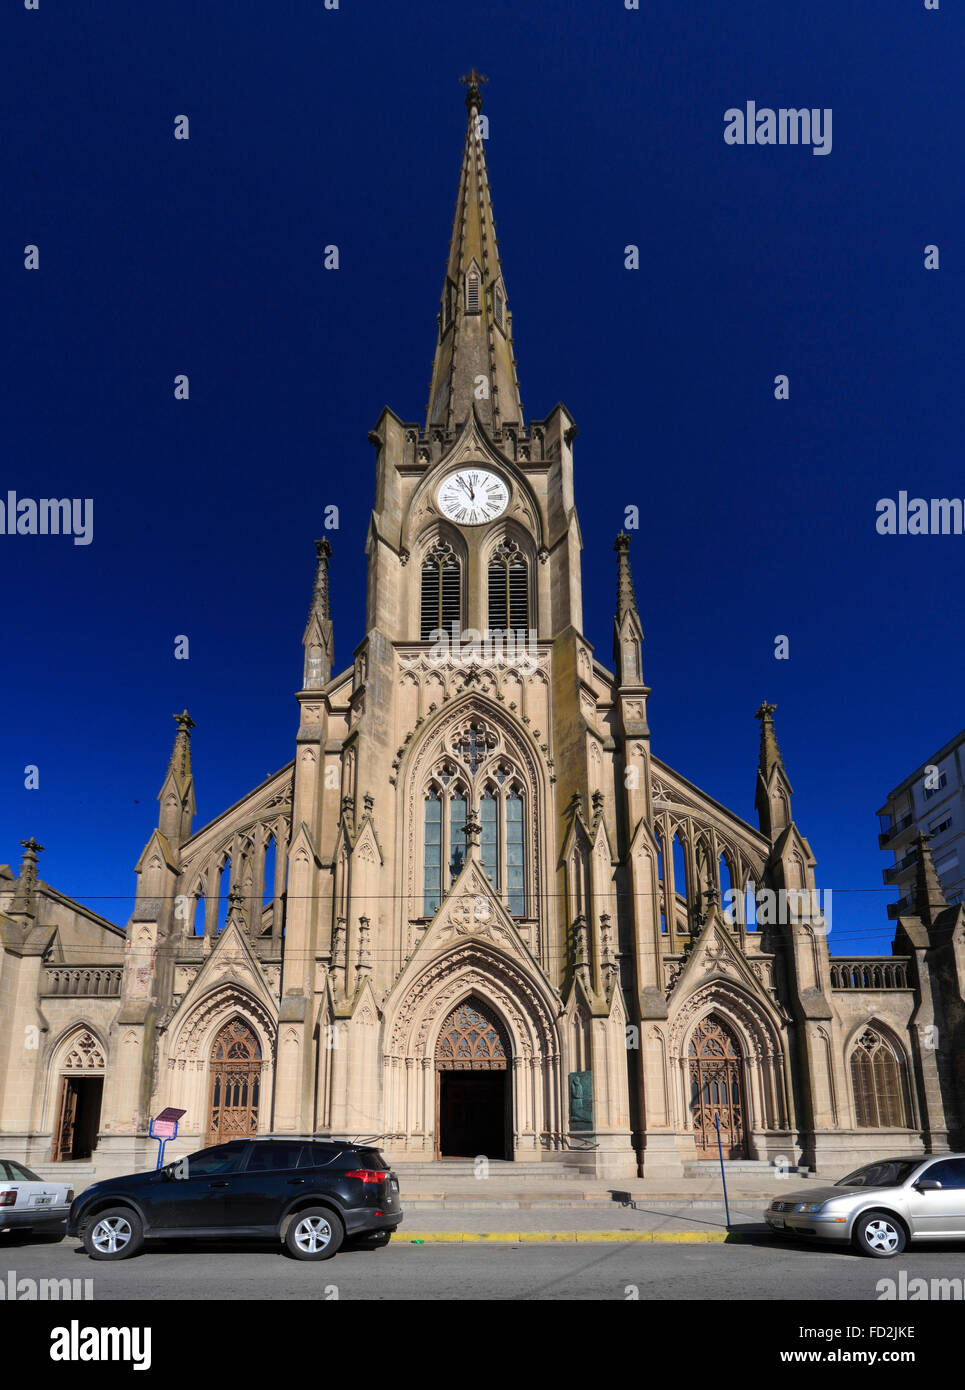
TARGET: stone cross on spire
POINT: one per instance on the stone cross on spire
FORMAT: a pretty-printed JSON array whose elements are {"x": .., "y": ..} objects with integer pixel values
[{"x": 473, "y": 80}]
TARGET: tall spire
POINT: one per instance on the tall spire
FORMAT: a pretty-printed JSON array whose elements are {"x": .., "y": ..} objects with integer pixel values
[
  {"x": 177, "y": 792},
  {"x": 180, "y": 763},
  {"x": 318, "y": 639},
  {"x": 770, "y": 753},
  {"x": 627, "y": 629},
  {"x": 929, "y": 896},
  {"x": 474, "y": 363},
  {"x": 773, "y": 799},
  {"x": 626, "y": 602}
]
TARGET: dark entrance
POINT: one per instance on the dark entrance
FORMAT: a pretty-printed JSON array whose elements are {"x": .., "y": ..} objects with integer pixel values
[
  {"x": 473, "y": 1111},
  {"x": 472, "y": 1114},
  {"x": 80, "y": 1113}
]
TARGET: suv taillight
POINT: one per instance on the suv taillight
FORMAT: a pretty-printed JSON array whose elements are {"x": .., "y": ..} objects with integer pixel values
[
  {"x": 8, "y": 1198},
  {"x": 367, "y": 1175}
]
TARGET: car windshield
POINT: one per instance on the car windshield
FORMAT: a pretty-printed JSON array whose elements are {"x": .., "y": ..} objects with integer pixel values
[
  {"x": 17, "y": 1171},
  {"x": 887, "y": 1172}
]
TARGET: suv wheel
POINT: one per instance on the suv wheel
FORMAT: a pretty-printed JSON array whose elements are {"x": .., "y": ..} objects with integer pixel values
[
  {"x": 115, "y": 1234},
  {"x": 878, "y": 1234},
  {"x": 314, "y": 1234}
]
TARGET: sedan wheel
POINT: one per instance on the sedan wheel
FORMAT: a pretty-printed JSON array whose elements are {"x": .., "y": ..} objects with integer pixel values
[
  {"x": 315, "y": 1234},
  {"x": 879, "y": 1235},
  {"x": 113, "y": 1235}
]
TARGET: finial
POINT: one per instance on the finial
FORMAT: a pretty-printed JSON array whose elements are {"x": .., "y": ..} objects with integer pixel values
[
  {"x": 323, "y": 553},
  {"x": 24, "y": 896},
  {"x": 626, "y": 599},
  {"x": 180, "y": 763},
  {"x": 929, "y": 897},
  {"x": 472, "y": 829},
  {"x": 770, "y": 752},
  {"x": 473, "y": 80}
]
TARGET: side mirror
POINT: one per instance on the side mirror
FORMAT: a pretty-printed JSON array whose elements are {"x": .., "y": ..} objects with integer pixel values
[
  {"x": 167, "y": 1172},
  {"x": 927, "y": 1185}
]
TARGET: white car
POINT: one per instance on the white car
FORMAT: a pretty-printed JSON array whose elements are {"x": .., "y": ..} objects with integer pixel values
[{"x": 29, "y": 1203}]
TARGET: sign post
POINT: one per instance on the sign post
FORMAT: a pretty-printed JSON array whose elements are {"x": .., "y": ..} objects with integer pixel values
[
  {"x": 723, "y": 1177},
  {"x": 164, "y": 1127}
]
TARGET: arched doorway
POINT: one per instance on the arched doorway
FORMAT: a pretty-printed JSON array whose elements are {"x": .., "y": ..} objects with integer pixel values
[
  {"x": 717, "y": 1090},
  {"x": 80, "y": 1089},
  {"x": 235, "y": 1092},
  {"x": 473, "y": 1099}
]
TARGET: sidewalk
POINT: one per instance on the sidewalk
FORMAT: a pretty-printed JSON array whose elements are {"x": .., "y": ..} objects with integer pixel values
[
  {"x": 636, "y": 1210},
  {"x": 647, "y": 1224}
]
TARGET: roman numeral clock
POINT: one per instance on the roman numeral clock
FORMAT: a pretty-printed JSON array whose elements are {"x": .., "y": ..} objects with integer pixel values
[{"x": 472, "y": 496}]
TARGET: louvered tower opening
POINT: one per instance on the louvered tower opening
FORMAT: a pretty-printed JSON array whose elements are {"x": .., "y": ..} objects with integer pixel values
[
  {"x": 441, "y": 592},
  {"x": 508, "y": 590}
]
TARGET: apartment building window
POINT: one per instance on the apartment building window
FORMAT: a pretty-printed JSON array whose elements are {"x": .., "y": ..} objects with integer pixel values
[{"x": 933, "y": 791}]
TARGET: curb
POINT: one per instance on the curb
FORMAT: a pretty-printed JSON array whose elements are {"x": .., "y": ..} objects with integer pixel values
[{"x": 546, "y": 1237}]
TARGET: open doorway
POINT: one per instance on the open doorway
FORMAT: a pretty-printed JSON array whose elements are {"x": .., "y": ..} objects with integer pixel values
[{"x": 79, "y": 1114}]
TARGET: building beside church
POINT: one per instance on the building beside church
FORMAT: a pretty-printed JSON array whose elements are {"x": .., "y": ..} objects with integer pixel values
[
  {"x": 476, "y": 913},
  {"x": 930, "y": 801}
]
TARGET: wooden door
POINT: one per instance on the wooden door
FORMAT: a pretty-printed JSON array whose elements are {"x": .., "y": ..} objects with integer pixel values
[
  {"x": 67, "y": 1120},
  {"x": 235, "y": 1089},
  {"x": 716, "y": 1090}
]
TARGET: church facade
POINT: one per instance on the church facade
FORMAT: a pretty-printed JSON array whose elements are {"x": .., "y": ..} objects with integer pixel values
[{"x": 476, "y": 913}]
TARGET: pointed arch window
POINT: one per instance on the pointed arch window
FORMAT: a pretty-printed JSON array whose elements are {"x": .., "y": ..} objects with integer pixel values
[
  {"x": 877, "y": 1078},
  {"x": 224, "y": 883},
  {"x": 508, "y": 589},
  {"x": 498, "y": 306},
  {"x": 441, "y": 591},
  {"x": 458, "y": 810},
  {"x": 502, "y": 852},
  {"x": 515, "y": 866},
  {"x": 472, "y": 291},
  {"x": 432, "y": 855}
]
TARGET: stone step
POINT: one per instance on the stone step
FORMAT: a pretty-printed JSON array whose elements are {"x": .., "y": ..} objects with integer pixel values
[
  {"x": 735, "y": 1167},
  {"x": 514, "y": 1172},
  {"x": 81, "y": 1172}
]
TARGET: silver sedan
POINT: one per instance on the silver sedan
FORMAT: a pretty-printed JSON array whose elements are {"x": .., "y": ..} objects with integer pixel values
[
  {"x": 29, "y": 1203},
  {"x": 880, "y": 1207}
]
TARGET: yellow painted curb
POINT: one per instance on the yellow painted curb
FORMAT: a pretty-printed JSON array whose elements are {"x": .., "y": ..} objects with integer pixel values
[{"x": 547, "y": 1237}]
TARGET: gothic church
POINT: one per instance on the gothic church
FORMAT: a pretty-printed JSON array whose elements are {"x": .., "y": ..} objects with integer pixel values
[{"x": 476, "y": 913}]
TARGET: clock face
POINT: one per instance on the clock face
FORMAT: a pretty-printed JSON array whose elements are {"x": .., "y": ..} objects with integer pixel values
[{"x": 473, "y": 495}]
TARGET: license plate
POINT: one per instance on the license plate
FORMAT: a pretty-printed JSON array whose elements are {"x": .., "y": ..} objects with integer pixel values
[
  {"x": 43, "y": 1201},
  {"x": 777, "y": 1220}
]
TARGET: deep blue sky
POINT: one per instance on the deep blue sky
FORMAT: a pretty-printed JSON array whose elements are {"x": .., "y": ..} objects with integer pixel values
[{"x": 311, "y": 126}]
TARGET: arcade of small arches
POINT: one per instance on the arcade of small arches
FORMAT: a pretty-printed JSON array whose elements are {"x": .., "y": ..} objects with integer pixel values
[
  {"x": 251, "y": 866},
  {"x": 694, "y": 863}
]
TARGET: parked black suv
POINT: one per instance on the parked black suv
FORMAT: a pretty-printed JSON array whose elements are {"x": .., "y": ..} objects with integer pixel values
[{"x": 309, "y": 1193}]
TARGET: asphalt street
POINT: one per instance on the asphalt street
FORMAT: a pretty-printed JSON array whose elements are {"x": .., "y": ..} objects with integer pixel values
[{"x": 758, "y": 1267}]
